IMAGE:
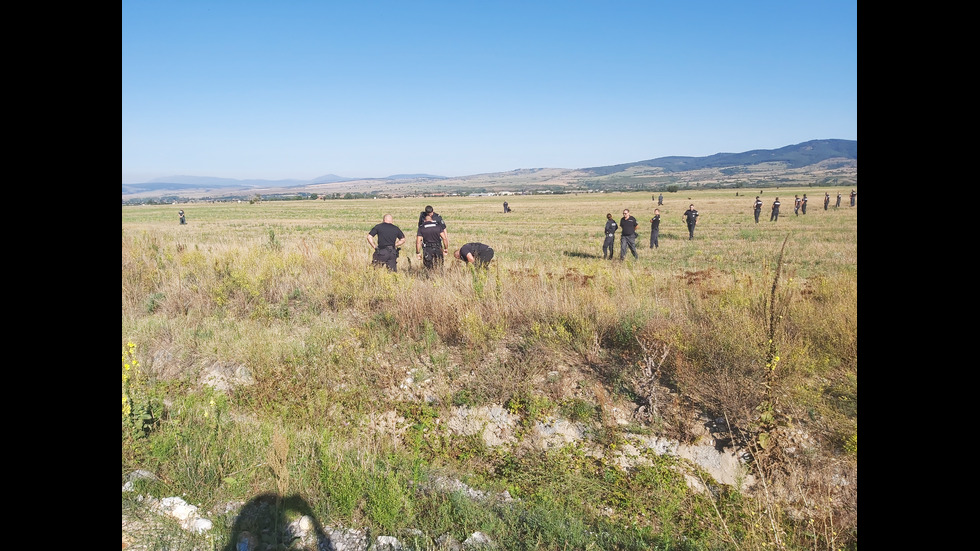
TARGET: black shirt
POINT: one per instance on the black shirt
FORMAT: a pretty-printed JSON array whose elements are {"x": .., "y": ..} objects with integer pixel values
[
  {"x": 611, "y": 227},
  {"x": 472, "y": 248},
  {"x": 628, "y": 225},
  {"x": 387, "y": 234},
  {"x": 655, "y": 222},
  {"x": 692, "y": 216},
  {"x": 431, "y": 234},
  {"x": 435, "y": 218},
  {"x": 758, "y": 204}
]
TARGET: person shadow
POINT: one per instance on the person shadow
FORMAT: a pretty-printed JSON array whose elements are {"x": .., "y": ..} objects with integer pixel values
[{"x": 262, "y": 524}]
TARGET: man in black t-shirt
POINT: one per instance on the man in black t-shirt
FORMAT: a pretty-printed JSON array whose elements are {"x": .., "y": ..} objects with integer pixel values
[
  {"x": 757, "y": 208},
  {"x": 655, "y": 230},
  {"x": 775, "y": 211},
  {"x": 477, "y": 254},
  {"x": 627, "y": 238},
  {"x": 390, "y": 237},
  {"x": 431, "y": 243},
  {"x": 435, "y": 217},
  {"x": 691, "y": 216}
]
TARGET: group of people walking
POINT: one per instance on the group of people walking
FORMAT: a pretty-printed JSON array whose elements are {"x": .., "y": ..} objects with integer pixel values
[
  {"x": 431, "y": 243},
  {"x": 627, "y": 226},
  {"x": 799, "y": 205}
]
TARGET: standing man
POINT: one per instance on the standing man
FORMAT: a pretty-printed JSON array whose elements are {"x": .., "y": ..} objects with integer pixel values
[
  {"x": 660, "y": 200},
  {"x": 655, "y": 230},
  {"x": 854, "y": 195},
  {"x": 431, "y": 243},
  {"x": 826, "y": 200},
  {"x": 607, "y": 243},
  {"x": 182, "y": 219},
  {"x": 627, "y": 239},
  {"x": 390, "y": 237},
  {"x": 796, "y": 205},
  {"x": 838, "y": 201},
  {"x": 691, "y": 216},
  {"x": 757, "y": 208},
  {"x": 435, "y": 217},
  {"x": 775, "y": 211},
  {"x": 476, "y": 254},
  {"x": 803, "y": 204}
]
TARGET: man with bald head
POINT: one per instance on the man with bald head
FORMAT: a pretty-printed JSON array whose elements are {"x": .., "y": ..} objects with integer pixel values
[{"x": 390, "y": 237}]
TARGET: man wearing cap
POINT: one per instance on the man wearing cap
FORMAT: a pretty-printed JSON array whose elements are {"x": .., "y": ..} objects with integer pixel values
[{"x": 390, "y": 237}]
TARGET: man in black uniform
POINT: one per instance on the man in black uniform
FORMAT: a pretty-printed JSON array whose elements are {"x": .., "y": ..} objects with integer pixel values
[
  {"x": 796, "y": 205},
  {"x": 838, "y": 201},
  {"x": 477, "y": 254},
  {"x": 826, "y": 200},
  {"x": 691, "y": 216},
  {"x": 607, "y": 243},
  {"x": 803, "y": 204},
  {"x": 660, "y": 200},
  {"x": 757, "y": 208},
  {"x": 627, "y": 239},
  {"x": 431, "y": 243},
  {"x": 655, "y": 230},
  {"x": 775, "y": 211},
  {"x": 435, "y": 217},
  {"x": 182, "y": 219},
  {"x": 854, "y": 195},
  {"x": 390, "y": 237}
]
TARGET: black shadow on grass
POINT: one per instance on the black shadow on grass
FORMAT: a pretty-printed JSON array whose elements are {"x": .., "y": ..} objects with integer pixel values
[
  {"x": 264, "y": 517},
  {"x": 575, "y": 254}
]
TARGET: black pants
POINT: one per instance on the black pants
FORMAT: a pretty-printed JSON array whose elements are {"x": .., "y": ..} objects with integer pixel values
[
  {"x": 388, "y": 257},
  {"x": 757, "y": 216},
  {"x": 482, "y": 258},
  {"x": 774, "y": 216},
  {"x": 627, "y": 242},
  {"x": 432, "y": 257},
  {"x": 690, "y": 230},
  {"x": 607, "y": 246},
  {"x": 655, "y": 238}
]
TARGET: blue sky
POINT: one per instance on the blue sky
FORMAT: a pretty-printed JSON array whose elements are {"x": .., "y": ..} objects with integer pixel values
[{"x": 298, "y": 89}]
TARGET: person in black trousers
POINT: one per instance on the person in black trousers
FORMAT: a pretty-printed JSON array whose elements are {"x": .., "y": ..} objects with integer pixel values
[
  {"x": 691, "y": 215},
  {"x": 610, "y": 239},
  {"x": 775, "y": 211},
  {"x": 627, "y": 237},
  {"x": 655, "y": 230},
  {"x": 390, "y": 237},
  {"x": 757, "y": 208},
  {"x": 476, "y": 254}
]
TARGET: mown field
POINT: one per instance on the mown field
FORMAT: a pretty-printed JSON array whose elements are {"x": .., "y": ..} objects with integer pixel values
[{"x": 759, "y": 321}]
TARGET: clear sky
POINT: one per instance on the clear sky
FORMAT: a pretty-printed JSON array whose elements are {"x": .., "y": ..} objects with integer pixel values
[{"x": 274, "y": 90}]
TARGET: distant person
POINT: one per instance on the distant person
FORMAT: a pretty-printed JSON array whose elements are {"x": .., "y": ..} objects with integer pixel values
[
  {"x": 390, "y": 237},
  {"x": 691, "y": 216},
  {"x": 775, "y": 211},
  {"x": 826, "y": 200},
  {"x": 803, "y": 204},
  {"x": 627, "y": 236},
  {"x": 854, "y": 195},
  {"x": 610, "y": 239},
  {"x": 837, "y": 206},
  {"x": 655, "y": 230},
  {"x": 796, "y": 205},
  {"x": 660, "y": 200},
  {"x": 431, "y": 243},
  {"x": 435, "y": 217},
  {"x": 506, "y": 207},
  {"x": 182, "y": 219},
  {"x": 757, "y": 208},
  {"x": 477, "y": 254}
]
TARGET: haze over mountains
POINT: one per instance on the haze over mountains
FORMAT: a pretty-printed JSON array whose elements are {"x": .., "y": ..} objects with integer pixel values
[{"x": 789, "y": 159}]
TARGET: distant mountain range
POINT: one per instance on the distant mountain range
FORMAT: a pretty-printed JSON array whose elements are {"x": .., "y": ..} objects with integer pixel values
[{"x": 639, "y": 174}]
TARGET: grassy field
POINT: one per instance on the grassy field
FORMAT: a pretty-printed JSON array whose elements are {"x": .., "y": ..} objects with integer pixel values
[{"x": 759, "y": 321}]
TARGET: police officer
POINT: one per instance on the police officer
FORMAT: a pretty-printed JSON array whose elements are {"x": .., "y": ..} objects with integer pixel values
[
  {"x": 838, "y": 201},
  {"x": 476, "y": 254},
  {"x": 390, "y": 237},
  {"x": 655, "y": 230},
  {"x": 775, "y": 211},
  {"x": 431, "y": 243},
  {"x": 627, "y": 239},
  {"x": 435, "y": 217},
  {"x": 796, "y": 205},
  {"x": 182, "y": 219},
  {"x": 607, "y": 244},
  {"x": 826, "y": 200},
  {"x": 757, "y": 208},
  {"x": 803, "y": 204},
  {"x": 691, "y": 215},
  {"x": 854, "y": 195},
  {"x": 660, "y": 200}
]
